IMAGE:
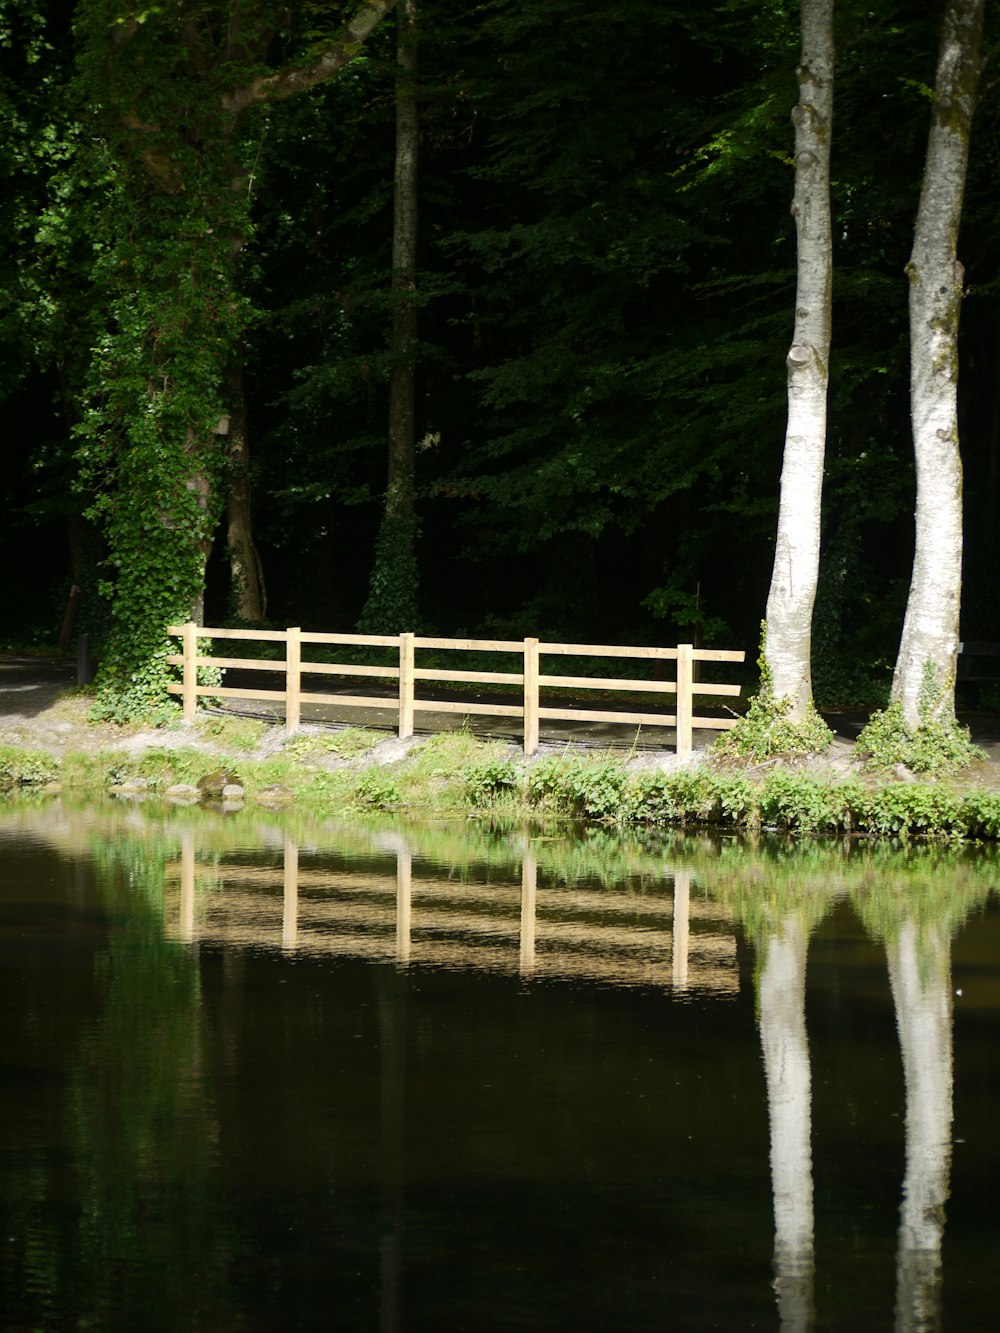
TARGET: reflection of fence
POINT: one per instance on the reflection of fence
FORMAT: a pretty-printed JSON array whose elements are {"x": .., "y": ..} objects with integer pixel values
[
  {"x": 407, "y": 674},
  {"x": 654, "y": 937}
]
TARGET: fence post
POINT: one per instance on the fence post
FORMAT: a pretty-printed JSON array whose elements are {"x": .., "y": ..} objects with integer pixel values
[
  {"x": 530, "y": 696},
  {"x": 293, "y": 678},
  {"x": 405, "y": 686},
  {"x": 685, "y": 697},
  {"x": 189, "y": 642}
]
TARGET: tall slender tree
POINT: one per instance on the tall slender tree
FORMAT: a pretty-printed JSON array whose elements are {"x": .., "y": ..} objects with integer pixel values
[
  {"x": 392, "y": 597},
  {"x": 796, "y": 556},
  {"x": 924, "y": 680}
]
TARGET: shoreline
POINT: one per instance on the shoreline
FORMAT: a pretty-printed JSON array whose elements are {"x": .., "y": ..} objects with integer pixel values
[{"x": 48, "y": 744}]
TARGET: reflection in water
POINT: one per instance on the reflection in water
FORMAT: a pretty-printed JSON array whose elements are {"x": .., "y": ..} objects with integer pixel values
[
  {"x": 920, "y": 974},
  {"x": 781, "y": 999},
  {"x": 259, "y": 1128},
  {"x": 681, "y": 928},
  {"x": 626, "y": 938},
  {"x": 290, "y": 897}
]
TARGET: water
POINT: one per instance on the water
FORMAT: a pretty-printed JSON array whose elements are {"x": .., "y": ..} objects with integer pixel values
[{"x": 261, "y": 1074}]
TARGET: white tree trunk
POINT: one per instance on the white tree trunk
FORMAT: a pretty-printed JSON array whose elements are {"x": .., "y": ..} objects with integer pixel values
[
  {"x": 930, "y": 628},
  {"x": 920, "y": 975},
  {"x": 782, "y": 1010},
  {"x": 796, "y": 554}
]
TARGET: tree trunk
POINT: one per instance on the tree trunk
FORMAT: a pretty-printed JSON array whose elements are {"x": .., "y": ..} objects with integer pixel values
[
  {"x": 924, "y": 679},
  {"x": 920, "y": 976},
  {"x": 247, "y": 593},
  {"x": 785, "y": 1046},
  {"x": 402, "y": 379},
  {"x": 796, "y": 555},
  {"x": 392, "y": 597}
]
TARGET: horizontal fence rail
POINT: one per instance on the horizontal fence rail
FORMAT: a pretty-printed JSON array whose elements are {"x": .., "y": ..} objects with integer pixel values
[{"x": 406, "y": 675}]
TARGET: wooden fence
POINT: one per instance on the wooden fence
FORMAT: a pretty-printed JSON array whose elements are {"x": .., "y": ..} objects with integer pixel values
[{"x": 407, "y": 674}]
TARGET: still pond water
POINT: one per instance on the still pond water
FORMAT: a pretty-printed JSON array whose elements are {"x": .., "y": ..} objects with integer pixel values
[{"x": 262, "y": 1074}]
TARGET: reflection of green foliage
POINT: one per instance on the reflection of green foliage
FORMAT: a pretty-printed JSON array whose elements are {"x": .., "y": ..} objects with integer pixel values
[
  {"x": 140, "y": 1122},
  {"x": 937, "y": 896},
  {"x": 763, "y": 902}
]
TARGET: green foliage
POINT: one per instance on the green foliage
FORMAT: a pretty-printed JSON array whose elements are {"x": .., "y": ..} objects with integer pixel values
[
  {"x": 491, "y": 780},
  {"x": 346, "y": 743},
  {"x": 231, "y": 731},
  {"x": 580, "y": 788},
  {"x": 766, "y": 731},
  {"x": 376, "y": 790},
  {"x": 391, "y": 607},
  {"x": 937, "y": 746},
  {"x": 26, "y": 768}
]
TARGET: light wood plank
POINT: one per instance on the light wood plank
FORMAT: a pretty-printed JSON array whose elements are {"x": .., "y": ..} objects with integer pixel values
[
  {"x": 346, "y": 669},
  {"x": 361, "y": 640},
  {"x": 530, "y": 709},
  {"x": 605, "y": 650},
  {"x": 488, "y": 677},
  {"x": 591, "y": 715},
  {"x": 472, "y": 645},
  {"x": 487, "y": 710},
  {"x": 406, "y": 659},
  {"x": 270, "y": 635},
  {"x": 607, "y": 683}
]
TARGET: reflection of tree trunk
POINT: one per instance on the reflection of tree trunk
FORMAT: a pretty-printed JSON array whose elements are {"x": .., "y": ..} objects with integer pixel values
[
  {"x": 249, "y": 599},
  {"x": 920, "y": 975},
  {"x": 391, "y": 995},
  {"x": 785, "y": 1047}
]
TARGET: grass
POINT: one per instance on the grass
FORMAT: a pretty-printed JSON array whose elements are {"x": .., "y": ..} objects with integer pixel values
[{"x": 453, "y": 774}]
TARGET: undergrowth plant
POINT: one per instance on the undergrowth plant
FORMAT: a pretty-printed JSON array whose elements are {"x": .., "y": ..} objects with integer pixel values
[
  {"x": 936, "y": 747},
  {"x": 767, "y": 731}
]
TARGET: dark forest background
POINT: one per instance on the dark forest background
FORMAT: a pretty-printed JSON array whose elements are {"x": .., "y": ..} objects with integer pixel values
[{"x": 606, "y": 278}]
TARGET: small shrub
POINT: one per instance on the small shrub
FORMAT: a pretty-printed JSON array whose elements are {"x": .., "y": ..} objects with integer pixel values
[
  {"x": 581, "y": 789},
  {"x": 376, "y": 791},
  {"x": 490, "y": 780},
  {"x": 937, "y": 747},
  {"x": 26, "y": 768},
  {"x": 766, "y": 731},
  {"x": 796, "y": 803}
]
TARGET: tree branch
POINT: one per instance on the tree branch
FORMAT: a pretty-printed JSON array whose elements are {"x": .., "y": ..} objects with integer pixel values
[{"x": 290, "y": 81}]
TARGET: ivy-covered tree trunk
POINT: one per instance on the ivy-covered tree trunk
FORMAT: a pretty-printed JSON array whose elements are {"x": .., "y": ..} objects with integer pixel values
[
  {"x": 247, "y": 592},
  {"x": 924, "y": 680},
  {"x": 170, "y": 86},
  {"x": 392, "y": 598},
  {"x": 796, "y": 555}
]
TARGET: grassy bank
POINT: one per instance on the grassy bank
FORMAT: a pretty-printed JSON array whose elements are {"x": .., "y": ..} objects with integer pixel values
[{"x": 456, "y": 775}]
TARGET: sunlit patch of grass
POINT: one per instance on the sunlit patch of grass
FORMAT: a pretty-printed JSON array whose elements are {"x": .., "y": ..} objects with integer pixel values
[
  {"x": 232, "y": 731},
  {"x": 346, "y": 743}
]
